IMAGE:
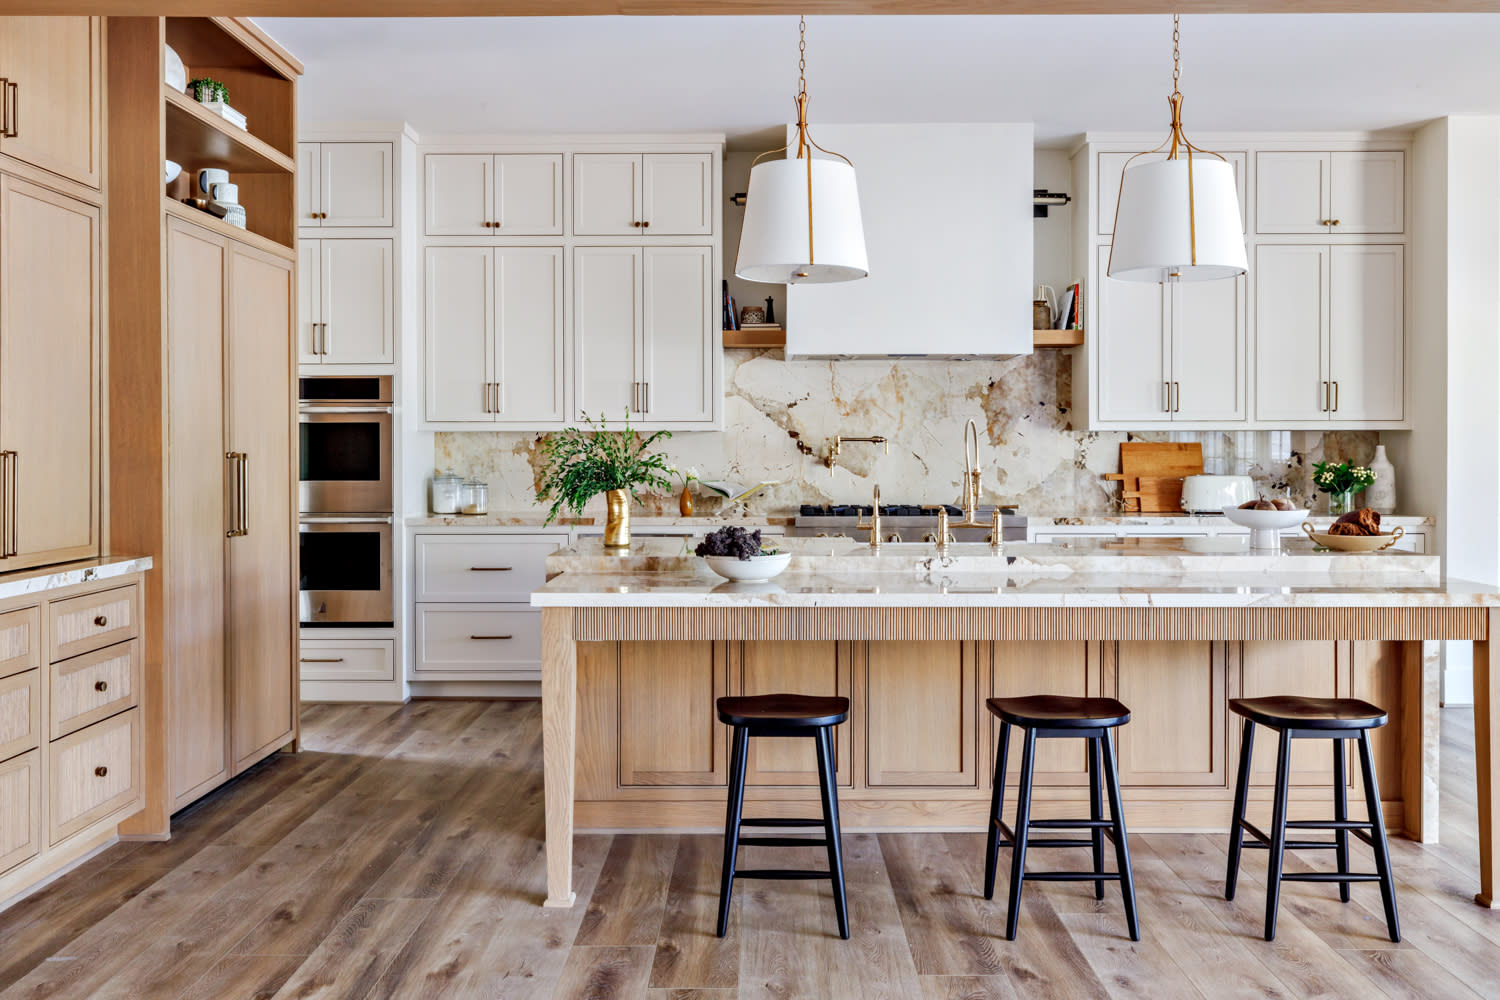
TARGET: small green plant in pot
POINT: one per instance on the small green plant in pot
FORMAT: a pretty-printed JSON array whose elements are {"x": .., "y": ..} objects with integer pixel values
[
  {"x": 206, "y": 91},
  {"x": 1341, "y": 480},
  {"x": 583, "y": 462}
]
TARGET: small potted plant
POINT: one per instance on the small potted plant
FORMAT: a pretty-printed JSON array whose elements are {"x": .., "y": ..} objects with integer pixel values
[
  {"x": 1341, "y": 480},
  {"x": 687, "y": 477},
  {"x": 207, "y": 91},
  {"x": 581, "y": 463}
]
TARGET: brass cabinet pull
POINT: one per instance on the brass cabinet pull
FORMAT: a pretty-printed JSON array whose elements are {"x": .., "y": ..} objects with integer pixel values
[
  {"x": 489, "y": 569},
  {"x": 636, "y": 224},
  {"x": 12, "y": 130},
  {"x": 326, "y": 340},
  {"x": 239, "y": 522},
  {"x": 489, "y": 637},
  {"x": 101, "y": 686},
  {"x": 101, "y": 771},
  {"x": 101, "y": 620},
  {"x": 1166, "y": 397},
  {"x": 245, "y": 488},
  {"x": 1324, "y": 406},
  {"x": 1335, "y": 397},
  {"x": 484, "y": 397},
  {"x": 645, "y": 225},
  {"x": 4, "y": 107},
  {"x": 1176, "y": 398},
  {"x": 647, "y": 408},
  {"x": 326, "y": 659},
  {"x": 12, "y": 540},
  {"x": 5, "y": 511},
  {"x": 1334, "y": 222}
]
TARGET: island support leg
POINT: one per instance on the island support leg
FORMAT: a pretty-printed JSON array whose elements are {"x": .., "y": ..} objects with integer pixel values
[
  {"x": 1487, "y": 755},
  {"x": 559, "y": 746},
  {"x": 1421, "y": 699}
]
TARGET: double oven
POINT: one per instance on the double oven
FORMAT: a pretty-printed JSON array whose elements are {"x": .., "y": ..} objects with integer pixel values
[{"x": 346, "y": 500}]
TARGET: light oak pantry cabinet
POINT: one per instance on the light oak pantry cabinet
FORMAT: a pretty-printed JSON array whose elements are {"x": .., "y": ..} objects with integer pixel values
[
  {"x": 347, "y": 303},
  {"x": 51, "y": 98},
  {"x": 344, "y": 184}
]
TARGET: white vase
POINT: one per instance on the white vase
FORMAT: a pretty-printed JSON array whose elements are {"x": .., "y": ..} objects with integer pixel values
[{"x": 1382, "y": 492}]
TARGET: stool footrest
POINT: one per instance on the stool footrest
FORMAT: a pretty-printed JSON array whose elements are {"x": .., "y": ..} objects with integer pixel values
[
  {"x": 794, "y": 874},
  {"x": 1327, "y": 824},
  {"x": 781, "y": 821},
  {"x": 1297, "y": 845},
  {"x": 1329, "y": 877},
  {"x": 782, "y": 842},
  {"x": 1072, "y": 824},
  {"x": 1071, "y": 876}
]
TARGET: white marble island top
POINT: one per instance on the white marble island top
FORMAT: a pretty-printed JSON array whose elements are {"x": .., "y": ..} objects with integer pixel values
[{"x": 1155, "y": 572}]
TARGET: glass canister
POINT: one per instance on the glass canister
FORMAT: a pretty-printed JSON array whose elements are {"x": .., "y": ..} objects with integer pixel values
[
  {"x": 446, "y": 487},
  {"x": 476, "y": 497}
]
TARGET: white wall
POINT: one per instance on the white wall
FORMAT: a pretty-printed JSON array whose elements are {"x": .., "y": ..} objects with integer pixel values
[
  {"x": 1052, "y": 237},
  {"x": 1450, "y": 462}
]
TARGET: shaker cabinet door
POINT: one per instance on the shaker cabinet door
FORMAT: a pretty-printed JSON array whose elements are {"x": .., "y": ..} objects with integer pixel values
[
  {"x": 1134, "y": 368},
  {"x": 1291, "y": 333},
  {"x": 677, "y": 194},
  {"x": 1208, "y": 350},
  {"x": 1367, "y": 338},
  {"x": 309, "y": 166},
  {"x": 458, "y": 194},
  {"x": 677, "y": 341},
  {"x": 606, "y": 328},
  {"x": 1369, "y": 192},
  {"x": 309, "y": 302},
  {"x": 528, "y": 195},
  {"x": 607, "y": 194},
  {"x": 459, "y": 327},
  {"x": 528, "y": 346},
  {"x": 355, "y": 184},
  {"x": 357, "y": 302},
  {"x": 53, "y": 106},
  {"x": 1292, "y": 193}
]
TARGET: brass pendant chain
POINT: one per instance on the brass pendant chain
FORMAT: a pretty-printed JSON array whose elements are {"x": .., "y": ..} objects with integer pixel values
[
  {"x": 1175, "y": 99},
  {"x": 802, "y": 88}
]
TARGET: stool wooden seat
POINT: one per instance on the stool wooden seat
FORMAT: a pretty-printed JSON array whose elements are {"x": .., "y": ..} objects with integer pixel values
[
  {"x": 1060, "y": 717},
  {"x": 1334, "y": 719},
  {"x": 782, "y": 715}
]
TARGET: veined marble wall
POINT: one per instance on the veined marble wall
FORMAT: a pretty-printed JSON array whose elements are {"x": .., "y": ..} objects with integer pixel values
[{"x": 781, "y": 418}]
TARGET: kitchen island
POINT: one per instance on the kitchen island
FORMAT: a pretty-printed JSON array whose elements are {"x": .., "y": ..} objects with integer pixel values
[{"x": 637, "y": 646}]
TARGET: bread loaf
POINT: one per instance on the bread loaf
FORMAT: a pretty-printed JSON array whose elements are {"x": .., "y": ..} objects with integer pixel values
[
  {"x": 1345, "y": 528},
  {"x": 1366, "y": 519}
]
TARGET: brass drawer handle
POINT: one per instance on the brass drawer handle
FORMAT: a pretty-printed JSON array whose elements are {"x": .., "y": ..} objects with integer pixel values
[
  {"x": 489, "y": 569},
  {"x": 489, "y": 637},
  {"x": 101, "y": 686},
  {"x": 101, "y": 771},
  {"x": 101, "y": 621},
  {"x": 326, "y": 659}
]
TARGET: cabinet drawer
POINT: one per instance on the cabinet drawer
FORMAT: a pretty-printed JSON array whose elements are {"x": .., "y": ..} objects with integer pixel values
[
  {"x": 92, "y": 621},
  {"x": 348, "y": 660},
  {"x": 20, "y": 644},
  {"x": 20, "y": 809},
  {"x": 94, "y": 773},
  {"x": 95, "y": 686},
  {"x": 470, "y": 640},
  {"x": 493, "y": 569},
  {"x": 20, "y": 713}
]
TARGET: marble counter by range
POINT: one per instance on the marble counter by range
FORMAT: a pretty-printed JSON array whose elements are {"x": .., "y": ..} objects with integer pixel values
[
  {"x": 535, "y": 520},
  {"x": 44, "y": 578},
  {"x": 1193, "y": 521}
]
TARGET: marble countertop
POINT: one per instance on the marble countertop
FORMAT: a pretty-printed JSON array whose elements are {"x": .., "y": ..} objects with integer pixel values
[
  {"x": 1165, "y": 572},
  {"x": 45, "y": 578},
  {"x": 1194, "y": 520},
  {"x": 535, "y": 519}
]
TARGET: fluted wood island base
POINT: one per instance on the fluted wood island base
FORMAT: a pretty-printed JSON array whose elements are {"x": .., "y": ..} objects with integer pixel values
[{"x": 632, "y": 664}]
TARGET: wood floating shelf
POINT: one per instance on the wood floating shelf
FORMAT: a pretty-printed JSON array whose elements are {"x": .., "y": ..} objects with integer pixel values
[
  {"x": 198, "y": 217},
  {"x": 198, "y": 138},
  {"x": 1056, "y": 338},
  {"x": 755, "y": 338}
]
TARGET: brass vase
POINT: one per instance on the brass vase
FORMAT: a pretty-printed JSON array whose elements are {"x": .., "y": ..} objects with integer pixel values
[
  {"x": 685, "y": 502},
  {"x": 617, "y": 520}
]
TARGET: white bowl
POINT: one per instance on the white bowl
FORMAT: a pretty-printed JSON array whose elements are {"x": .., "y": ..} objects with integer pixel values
[
  {"x": 173, "y": 170},
  {"x": 756, "y": 569},
  {"x": 1265, "y": 525}
]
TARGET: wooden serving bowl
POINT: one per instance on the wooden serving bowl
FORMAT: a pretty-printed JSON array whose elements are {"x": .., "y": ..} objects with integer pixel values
[{"x": 1353, "y": 543}]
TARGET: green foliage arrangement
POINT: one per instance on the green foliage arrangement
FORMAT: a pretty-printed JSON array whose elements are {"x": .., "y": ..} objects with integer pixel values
[
  {"x": 1342, "y": 477},
  {"x": 582, "y": 463},
  {"x": 205, "y": 90}
]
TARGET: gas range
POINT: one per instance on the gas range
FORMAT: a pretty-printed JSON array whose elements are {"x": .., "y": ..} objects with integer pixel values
[{"x": 901, "y": 522}]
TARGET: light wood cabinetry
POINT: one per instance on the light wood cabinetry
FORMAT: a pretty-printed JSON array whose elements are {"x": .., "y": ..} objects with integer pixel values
[
  {"x": 20, "y": 713},
  {"x": 495, "y": 343},
  {"x": 20, "y": 809},
  {"x": 52, "y": 101},
  {"x": 1019, "y": 669},
  {"x": 810, "y": 668},
  {"x": 50, "y": 343},
  {"x": 20, "y": 640},
  {"x": 927, "y": 687},
  {"x": 94, "y": 773},
  {"x": 1176, "y": 695},
  {"x": 345, "y": 184},
  {"x": 1334, "y": 193},
  {"x": 483, "y": 194},
  {"x": 94, "y": 686},
  {"x": 92, "y": 621},
  {"x": 346, "y": 302},
  {"x": 1331, "y": 340},
  {"x": 677, "y": 681}
]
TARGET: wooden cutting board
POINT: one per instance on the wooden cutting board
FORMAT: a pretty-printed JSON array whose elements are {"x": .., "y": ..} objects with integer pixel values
[{"x": 1151, "y": 474}]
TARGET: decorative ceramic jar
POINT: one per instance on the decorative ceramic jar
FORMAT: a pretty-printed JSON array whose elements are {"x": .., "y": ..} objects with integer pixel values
[{"x": 1382, "y": 492}]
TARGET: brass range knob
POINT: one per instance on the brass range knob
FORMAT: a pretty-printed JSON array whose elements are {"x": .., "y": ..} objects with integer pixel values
[
  {"x": 101, "y": 686},
  {"x": 101, "y": 771}
]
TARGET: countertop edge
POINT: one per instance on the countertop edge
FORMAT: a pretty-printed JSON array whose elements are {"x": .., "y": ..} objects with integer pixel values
[{"x": 41, "y": 579}]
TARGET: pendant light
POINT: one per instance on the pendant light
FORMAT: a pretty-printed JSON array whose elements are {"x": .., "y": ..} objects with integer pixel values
[
  {"x": 1178, "y": 219},
  {"x": 802, "y": 218}
]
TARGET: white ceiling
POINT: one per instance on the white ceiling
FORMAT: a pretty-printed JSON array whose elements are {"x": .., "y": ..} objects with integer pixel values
[{"x": 737, "y": 74}]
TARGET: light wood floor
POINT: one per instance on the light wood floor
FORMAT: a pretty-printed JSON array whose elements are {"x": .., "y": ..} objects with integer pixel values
[{"x": 400, "y": 855}]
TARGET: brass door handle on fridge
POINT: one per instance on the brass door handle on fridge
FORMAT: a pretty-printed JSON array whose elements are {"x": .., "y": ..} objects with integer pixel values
[
  {"x": 9, "y": 536},
  {"x": 5, "y": 108},
  {"x": 13, "y": 108},
  {"x": 238, "y": 522}
]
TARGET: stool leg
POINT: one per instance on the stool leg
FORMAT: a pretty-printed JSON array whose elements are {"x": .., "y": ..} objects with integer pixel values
[
  {"x": 1096, "y": 810},
  {"x": 1236, "y": 825},
  {"x": 733, "y": 812},
  {"x": 1278, "y": 833},
  {"x": 1023, "y": 824},
  {"x": 997, "y": 805},
  {"x": 1377, "y": 833},
  {"x": 1122, "y": 843},
  {"x": 1341, "y": 813},
  {"x": 827, "y": 782}
]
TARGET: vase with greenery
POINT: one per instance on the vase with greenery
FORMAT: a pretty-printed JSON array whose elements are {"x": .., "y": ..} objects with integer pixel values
[
  {"x": 1341, "y": 481},
  {"x": 582, "y": 462},
  {"x": 688, "y": 477}
]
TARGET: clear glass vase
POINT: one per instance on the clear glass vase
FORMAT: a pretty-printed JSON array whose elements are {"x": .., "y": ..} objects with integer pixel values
[{"x": 1341, "y": 503}]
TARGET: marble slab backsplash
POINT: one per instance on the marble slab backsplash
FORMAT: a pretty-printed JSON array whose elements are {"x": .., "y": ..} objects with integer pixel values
[{"x": 781, "y": 417}]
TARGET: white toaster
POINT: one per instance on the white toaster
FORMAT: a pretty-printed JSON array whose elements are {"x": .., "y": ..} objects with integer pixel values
[{"x": 1211, "y": 494}]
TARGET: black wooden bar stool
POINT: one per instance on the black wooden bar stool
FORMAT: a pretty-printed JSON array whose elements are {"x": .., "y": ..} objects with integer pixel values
[
  {"x": 1335, "y": 719},
  {"x": 1058, "y": 717},
  {"x": 782, "y": 715}
]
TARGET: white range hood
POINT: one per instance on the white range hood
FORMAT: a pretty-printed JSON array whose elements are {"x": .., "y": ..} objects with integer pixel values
[{"x": 948, "y": 229}]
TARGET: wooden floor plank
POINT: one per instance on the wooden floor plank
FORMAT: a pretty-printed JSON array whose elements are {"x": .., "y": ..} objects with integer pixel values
[
  {"x": 626, "y": 906},
  {"x": 688, "y": 951},
  {"x": 605, "y": 973},
  {"x": 352, "y": 958}
]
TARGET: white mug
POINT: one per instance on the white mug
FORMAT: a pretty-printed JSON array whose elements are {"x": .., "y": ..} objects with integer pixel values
[
  {"x": 208, "y": 178},
  {"x": 229, "y": 193}
]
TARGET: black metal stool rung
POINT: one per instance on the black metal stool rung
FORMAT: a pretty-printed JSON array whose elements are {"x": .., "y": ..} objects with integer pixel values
[
  {"x": 1336, "y": 720},
  {"x": 1043, "y": 717}
]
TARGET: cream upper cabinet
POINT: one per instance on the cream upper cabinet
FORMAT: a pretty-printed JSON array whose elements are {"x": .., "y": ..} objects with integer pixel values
[
  {"x": 1111, "y": 170},
  {"x": 495, "y": 347},
  {"x": 52, "y": 106},
  {"x": 1208, "y": 350},
  {"x": 677, "y": 334},
  {"x": 606, "y": 331},
  {"x": 49, "y": 365},
  {"x": 1334, "y": 193},
  {"x": 352, "y": 185},
  {"x": 346, "y": 302},
  {"x": 1132, "y": 332},
  {"x": 1330, "y": 334},
  {"x": 656, "y": 194},
  {"x": 479, "y": 194}
]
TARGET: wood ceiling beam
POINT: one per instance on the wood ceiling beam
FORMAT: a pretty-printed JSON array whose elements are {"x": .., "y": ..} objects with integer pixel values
[{"x": 555, "y": 8}]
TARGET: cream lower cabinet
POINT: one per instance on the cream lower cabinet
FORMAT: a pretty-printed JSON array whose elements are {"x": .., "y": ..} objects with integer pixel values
[
  {"x": 1169, "y": 353},
  {"x": 495, "y": 345},
  {"x": 643, "y": 334},
  {"x": 52, "y": 106},
  {"x": 229, "y": 585},
  {"x": 1330, "y": 334},
  {"x": 346, "y": 302}
]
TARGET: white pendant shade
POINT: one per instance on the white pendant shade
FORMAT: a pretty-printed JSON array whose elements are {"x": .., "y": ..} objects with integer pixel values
[
  {"x": 775, "y": 244},
  {"x": 1167, "y": 231}
]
